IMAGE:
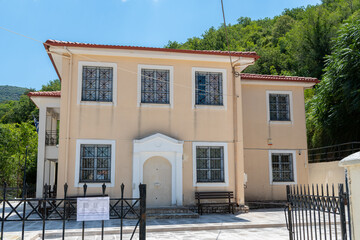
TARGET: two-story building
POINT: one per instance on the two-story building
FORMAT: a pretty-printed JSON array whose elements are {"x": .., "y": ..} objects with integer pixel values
[{"x": 178, "y": 120}]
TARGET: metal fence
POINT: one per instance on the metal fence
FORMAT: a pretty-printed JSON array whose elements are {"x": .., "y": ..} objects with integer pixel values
[
  {"x": 318, "y": 213},
  {"x": 332, "y": 153},
  {"x": 63, "y": 210}
]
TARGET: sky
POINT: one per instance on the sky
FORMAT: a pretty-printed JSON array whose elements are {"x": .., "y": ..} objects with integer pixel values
[{"x": 150, "y": 23}]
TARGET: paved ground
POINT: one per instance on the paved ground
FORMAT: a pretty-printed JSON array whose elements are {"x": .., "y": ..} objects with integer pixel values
[{"x": 258, "y": 224}]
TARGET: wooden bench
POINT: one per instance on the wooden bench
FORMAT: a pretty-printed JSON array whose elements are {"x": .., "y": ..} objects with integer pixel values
[{"x": 225, "y": 195}]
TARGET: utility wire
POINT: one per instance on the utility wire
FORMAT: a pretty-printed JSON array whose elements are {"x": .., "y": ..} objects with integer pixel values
[
  {"x": 226, "y": 33},
  {"x": 119, "y": 68}
]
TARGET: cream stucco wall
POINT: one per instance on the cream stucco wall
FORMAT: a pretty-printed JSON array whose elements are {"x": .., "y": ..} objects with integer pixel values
[
  {"x": 284, "y": 136},
  {"x": 126, "y": 122},
  {"x": 326, "y": 173}
]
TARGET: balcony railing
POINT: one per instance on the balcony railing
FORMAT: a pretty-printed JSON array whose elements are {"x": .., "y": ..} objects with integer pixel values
[
  {"x": 333, "y": 153},
  {"x": 51, "y": 138}
]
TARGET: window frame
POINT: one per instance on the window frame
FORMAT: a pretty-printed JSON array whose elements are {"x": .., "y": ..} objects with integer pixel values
[
  {"x": 81, "y": 64},
  {"x": 171, "y": 83},
  {"x": 293, "y": 152},
  {"x": 268, "y": 93},
  {"x": 80, "y": 142},
  {"x": 226, "y": 172},
  {"x": 224, "y": 88}
]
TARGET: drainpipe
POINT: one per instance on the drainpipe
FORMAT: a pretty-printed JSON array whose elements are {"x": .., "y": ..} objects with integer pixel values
[
  {"x": 235, "y": 124},
  {"x": 237, "y": 171},
  {"x": 68, "y": 116}
]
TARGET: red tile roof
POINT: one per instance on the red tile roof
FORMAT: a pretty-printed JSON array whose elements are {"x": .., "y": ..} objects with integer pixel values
[
  {"x": 209, "y": 52},
  {"x": 250, "y": 76},
  {"x": 45, "y": 94}
]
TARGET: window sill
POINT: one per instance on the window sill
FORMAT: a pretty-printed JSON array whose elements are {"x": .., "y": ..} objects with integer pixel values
[
  {"x": 94, "y": 103},
  {"x": 283, "y": 183},
  {"x": 108, "y": 184},
  {"x": 281, "y": 122},
  {"x": 215, "y": 107},
  {"x": 211, "y": 184},
  {"x": 155, "y": 105}
]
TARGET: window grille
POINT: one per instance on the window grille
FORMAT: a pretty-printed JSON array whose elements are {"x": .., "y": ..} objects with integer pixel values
[
  {"x": 155, "y": 86},
  {"x": 210, "y": 164},
  {"x": 282, "y": 167},
  {"x": 95, "y": 163},
  {"x": 208, "y": 88},
  {"x": 279, "y": 107},
  {"x": 97, "y": 84}
]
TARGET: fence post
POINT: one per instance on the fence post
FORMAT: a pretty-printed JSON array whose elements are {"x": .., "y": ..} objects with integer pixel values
[
  {"x": 289, "y": 212},
  {"x": 142, "y": 189},
  {"x": 342, "y": 212},
  {"x": 352, "y": 165},
  {"x": 3, "y": 211}
]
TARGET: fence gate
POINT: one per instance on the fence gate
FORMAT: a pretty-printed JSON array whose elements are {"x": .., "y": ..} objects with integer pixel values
[
  {"x": 317, "y": 213},
  {"x": 19, "y": 213}
]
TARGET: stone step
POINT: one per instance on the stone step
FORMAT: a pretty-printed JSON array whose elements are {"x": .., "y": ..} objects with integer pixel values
[
  {"x": 167, "y": 210},
  {"x": 172, "y": 215}
]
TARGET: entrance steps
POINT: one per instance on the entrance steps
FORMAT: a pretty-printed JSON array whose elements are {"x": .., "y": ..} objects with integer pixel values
[{"x": 170, "y": 213}]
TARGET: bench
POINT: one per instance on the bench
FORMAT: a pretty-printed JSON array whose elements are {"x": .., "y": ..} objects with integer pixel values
[{"x": 225, "y": 195}]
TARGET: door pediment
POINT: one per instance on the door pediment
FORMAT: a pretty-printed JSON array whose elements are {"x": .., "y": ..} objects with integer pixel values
[{"x": 158, "y": 143}]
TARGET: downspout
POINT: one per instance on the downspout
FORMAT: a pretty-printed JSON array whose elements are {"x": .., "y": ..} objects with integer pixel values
[
  {"x": 235, "y": 133},
  {"x": 236, "y": 74},
  {"x": 68, "y": 116}
]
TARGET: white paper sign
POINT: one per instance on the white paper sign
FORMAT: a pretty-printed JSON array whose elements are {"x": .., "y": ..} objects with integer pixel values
[{"x": 93, "y": 208}]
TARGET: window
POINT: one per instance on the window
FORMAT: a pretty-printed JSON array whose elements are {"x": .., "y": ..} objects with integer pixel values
[
  {"x": 155, "y": 86},
  {"x": 282, "y": 166},
  {"x": 210, "y": 164},
  {"x": 95, "y": 163},
  {"x": 208, "y": 88},
  {"x": 97, "y": 84},
  {"x": 279, "y": 107}
]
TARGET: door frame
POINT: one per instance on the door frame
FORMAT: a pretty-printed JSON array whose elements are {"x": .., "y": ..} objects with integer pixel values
[{"x": 162, "y": 146}]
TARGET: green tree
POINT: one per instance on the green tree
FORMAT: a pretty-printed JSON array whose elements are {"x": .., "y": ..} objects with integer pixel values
[
  {"x": 333, "y": 114},
  {"x": 53, "y": 85}
]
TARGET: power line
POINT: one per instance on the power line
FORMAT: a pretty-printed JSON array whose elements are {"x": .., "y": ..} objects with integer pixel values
[
  {"x": 119, "y": 68},
  {"x": 226, "y": 33}
]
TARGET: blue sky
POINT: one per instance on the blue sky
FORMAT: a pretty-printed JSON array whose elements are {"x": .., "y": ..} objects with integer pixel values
[{"x": 151, "y": 23}]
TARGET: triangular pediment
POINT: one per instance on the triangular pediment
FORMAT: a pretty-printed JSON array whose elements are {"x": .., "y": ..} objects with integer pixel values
[{"x": 158, "y": 143}]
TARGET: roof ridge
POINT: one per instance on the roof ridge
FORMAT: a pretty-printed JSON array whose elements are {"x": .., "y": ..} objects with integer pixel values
[{"x": 254, "y": 76}]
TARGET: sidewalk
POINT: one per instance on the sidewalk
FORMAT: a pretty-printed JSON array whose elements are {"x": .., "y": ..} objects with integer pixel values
[{"x": 262, "y": 224}]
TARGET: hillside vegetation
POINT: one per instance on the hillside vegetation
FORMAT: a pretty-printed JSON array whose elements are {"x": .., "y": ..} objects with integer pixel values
[
  {"x": 301, "y": 42},
  {"x": 10, "y": 93}
]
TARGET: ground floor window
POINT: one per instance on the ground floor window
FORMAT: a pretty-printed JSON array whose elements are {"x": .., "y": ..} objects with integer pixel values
[
  {"x": 95, "y": 162},
  {"x": 210, "y": 163},
  {"x": 282, "y": 166}
]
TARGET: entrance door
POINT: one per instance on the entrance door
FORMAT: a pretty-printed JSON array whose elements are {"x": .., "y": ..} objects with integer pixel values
[{"x": 157, "y": 177}]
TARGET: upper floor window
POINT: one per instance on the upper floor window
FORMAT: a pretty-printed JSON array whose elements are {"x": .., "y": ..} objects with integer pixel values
[
  {"x": 155, "y": 86},
  {"x": 95, "y": 163},
  {"x": 97, "y": 84},
  {"x": 208, "y": 88},
  {"x": 279, "y": 106}
]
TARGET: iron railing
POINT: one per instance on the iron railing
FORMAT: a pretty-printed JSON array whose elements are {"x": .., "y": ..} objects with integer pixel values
[
  {"x": 332, "y": 153},
  {"x": 317, "y": 213},
  {"x": 63, "y": 210},
  {"x": 51, "y": 138}
]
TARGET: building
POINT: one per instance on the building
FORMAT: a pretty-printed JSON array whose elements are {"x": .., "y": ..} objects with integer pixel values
[{"x": 178, "y": 120}]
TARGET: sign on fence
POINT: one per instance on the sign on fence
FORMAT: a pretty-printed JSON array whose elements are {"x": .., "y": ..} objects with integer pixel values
[{"x": 93, "y": 208}]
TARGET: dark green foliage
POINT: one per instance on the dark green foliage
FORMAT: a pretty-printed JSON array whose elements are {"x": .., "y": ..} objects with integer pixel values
[
  {"x": 334, "y": 111},
  {"x": 10, "y": 93}
]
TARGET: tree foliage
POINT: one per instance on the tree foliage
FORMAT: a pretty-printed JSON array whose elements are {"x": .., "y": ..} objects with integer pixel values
[{"x": 333, "y": 114}]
